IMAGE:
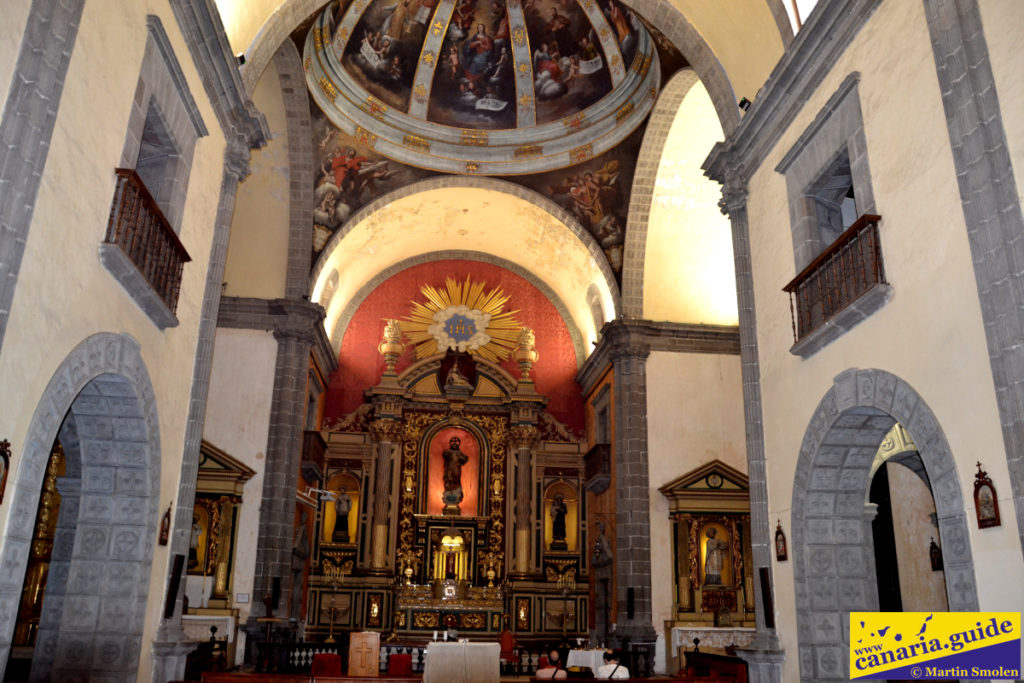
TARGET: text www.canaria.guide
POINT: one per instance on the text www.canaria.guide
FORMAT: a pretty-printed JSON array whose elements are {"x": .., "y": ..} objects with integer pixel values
[{"x": 875, "y": 655}]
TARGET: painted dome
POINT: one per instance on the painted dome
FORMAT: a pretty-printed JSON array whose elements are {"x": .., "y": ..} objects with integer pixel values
[{"x": 483, "y": 87}]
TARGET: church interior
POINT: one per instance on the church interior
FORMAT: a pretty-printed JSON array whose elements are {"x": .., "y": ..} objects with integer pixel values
[{"x": 339, "y": 329}]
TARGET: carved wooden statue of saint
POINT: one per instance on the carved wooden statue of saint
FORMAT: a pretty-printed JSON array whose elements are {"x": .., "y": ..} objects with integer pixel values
[
  {"x": 454, "y": 459},
  {"x": 342, "y": 508},
  {"x": 715, "y": 558},
  {"x": 558, "y": 511}
]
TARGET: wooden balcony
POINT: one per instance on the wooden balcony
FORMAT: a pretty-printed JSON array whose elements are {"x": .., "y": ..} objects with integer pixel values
[
  {"x": 839, "y": 288},
  {"x": 141, "y": 233},
  {"x": 597, "y": 467},
  {"x": 314, "y": 452}
]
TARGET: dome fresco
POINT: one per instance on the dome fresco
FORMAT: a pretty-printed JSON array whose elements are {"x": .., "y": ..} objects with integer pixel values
[{"x": 482, "y": 86}]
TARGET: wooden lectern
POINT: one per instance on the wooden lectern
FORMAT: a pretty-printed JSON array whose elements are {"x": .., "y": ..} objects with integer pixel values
[{"x": 364, "y": 653}]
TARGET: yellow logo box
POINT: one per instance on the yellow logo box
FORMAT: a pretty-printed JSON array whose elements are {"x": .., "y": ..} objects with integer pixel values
[{"x": 935, "y": 645}]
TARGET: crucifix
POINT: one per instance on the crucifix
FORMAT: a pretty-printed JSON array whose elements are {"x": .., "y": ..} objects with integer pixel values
[{"x": 363, "y": 650}]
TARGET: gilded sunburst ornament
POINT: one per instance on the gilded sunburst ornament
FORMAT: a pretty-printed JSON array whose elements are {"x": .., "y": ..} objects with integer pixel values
[{"x": 462, "y": 317}]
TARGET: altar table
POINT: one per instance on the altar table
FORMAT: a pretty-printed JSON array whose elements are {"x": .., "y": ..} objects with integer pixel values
[
  {"x": 462, "y": 663},
  {"x": 588, "y": 658}
]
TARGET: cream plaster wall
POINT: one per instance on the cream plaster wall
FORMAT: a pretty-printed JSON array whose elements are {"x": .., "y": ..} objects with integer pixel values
[
  {"x": 238, "y": 422},
  {"x": 15, "y": 13},
  {"x": 688, "y": 265},
  {"x": 930, "y": 334},
  {"x": 63, "y": 294},
  {"x": 921, "y": 588},
  {"x": 258, "y": 251},
  {"x": 694, "y": 415},
  {"x": 742, "y": 34},
  {"x": 1002, "y": 21},
  {"x": 471, "y": 219},
  {"x": 243, "y": 19}
]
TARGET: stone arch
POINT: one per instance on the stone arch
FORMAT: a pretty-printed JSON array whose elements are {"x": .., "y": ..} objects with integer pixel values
[
  {"x": 640, "y": 198},
  {"x": 300, "y": 166},
  {"x": 101, "y": 402},
  {"x": 550, "y": 207},
  {"x": 353, "y": 304},
  {"x": 833, "y": 556}
]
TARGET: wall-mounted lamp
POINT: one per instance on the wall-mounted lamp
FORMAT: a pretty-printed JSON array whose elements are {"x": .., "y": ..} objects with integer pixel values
[
  {"x": 324, "y": 494},
  {"x": 935, "y": 554}
]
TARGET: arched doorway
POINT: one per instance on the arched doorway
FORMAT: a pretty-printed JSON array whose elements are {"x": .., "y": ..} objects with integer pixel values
[
  {"x": 905, "y": 529},
  {"x": 833, "y": 552},
  {"x": 101, "y": 403}
]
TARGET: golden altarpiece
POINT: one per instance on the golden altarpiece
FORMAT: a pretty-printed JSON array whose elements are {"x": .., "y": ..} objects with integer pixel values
[
  {"x": 712, "y": 568},
  {"x": 453, "y": 500}
]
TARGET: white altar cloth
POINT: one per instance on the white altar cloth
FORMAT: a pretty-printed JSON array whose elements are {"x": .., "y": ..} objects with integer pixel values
[{"x": 462, "y": 663}]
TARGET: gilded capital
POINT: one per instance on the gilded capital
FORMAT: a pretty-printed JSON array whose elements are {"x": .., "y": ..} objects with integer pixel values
[
  {"x": 524, "y": 436},
  {"x": 386, "y": 430}
]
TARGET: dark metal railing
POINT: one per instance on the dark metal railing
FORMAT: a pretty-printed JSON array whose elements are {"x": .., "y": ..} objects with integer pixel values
[
  {"x": 848, "y": 268},
  {"x": 138, "y": 227}
]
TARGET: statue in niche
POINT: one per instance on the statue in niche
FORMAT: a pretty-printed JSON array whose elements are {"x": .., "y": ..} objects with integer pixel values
[
  {"x": 342, "y": 507},
  {"x": 193, "y": 550},
  {"x": 454, "y": 459},
  {"x": 558, "y": 511},
  {"x": 455, "y": 377},
  {"x": 714, "y": 559}
]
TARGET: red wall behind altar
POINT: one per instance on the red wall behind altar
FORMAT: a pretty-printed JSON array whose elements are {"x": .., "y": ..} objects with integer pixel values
[{"x": 360, "y": 364}]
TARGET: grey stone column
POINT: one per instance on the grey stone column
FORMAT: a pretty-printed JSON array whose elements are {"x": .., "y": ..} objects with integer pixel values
[
  {"x": 387, "y": 435},
  {"x": 628, "y": 351},
  {"x": 991, "y": 207},
  {"x": 295, "y": 333},
  {"x": 764, "y": 657}
]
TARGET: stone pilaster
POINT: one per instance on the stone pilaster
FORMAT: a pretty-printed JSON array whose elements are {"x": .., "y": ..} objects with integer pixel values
[
  {"x": 764, "y": 657},
  {"x": 991, "y": 208},
  {"x": 628, "y": 351},
  {"x": 29, "y": 115},
  {"x": 169, "y": 645}
]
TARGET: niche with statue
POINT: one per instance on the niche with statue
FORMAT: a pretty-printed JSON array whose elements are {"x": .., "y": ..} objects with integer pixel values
[
  {"x": 712, "y": 566},
  {"x": 561, "y": 517},
  {"x": 340, "y": 512}
]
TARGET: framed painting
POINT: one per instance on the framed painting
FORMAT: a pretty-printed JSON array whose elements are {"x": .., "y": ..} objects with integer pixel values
[
  {"x": 986, "y": 503},
  {"x": 781, "y": 553}
]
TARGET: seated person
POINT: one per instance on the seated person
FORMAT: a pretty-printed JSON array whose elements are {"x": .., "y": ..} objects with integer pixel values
[
  {"x": 611, "y": 667},
  {"x": 552, "y": 668}
]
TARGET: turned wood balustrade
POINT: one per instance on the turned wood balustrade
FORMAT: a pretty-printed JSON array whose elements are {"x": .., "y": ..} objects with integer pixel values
[
  {"x": 837, "y": 277},
  {"x": 138, "y": 227}
]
